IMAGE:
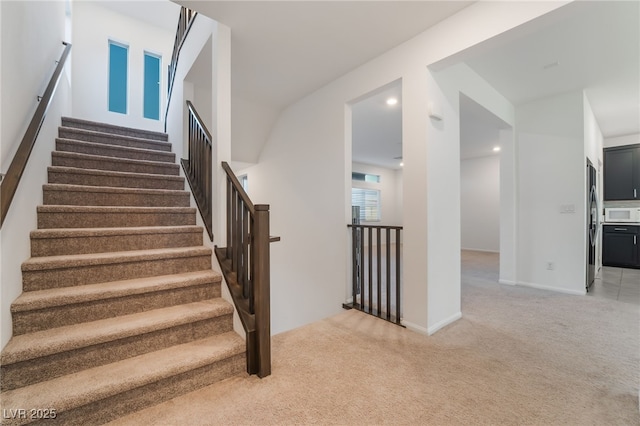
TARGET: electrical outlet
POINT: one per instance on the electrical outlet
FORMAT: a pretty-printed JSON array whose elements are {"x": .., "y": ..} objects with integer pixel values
[{"x": 551, "y": 266}]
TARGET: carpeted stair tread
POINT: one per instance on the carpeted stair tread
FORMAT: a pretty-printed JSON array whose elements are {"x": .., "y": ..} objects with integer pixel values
[
  {"x": 66, "y": 194},
  {"x": 67, "y": 241},
  {"x": 100, "y": 162},
  {"x": 78, "y": 123},
  {"x": 81, "y": 388},
  {"x": 120, "y": 306},
  {"x": 62, "y": 339},
  {"x": 113, "y": 151},
  {"x": 110, "y": 216},
  {"x": 101, "y": 232},
  {"x": 42, "y": 299},
  {"x": 112, "y": 139},
  {"x": 79, "y": 176},
  {"x": 79, "y": 260}
]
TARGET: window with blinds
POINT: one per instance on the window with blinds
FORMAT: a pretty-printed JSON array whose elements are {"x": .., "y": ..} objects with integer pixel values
[{"x": 369, "y": 202}]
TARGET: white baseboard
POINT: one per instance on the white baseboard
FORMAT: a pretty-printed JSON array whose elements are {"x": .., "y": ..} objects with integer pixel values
[
  {"x": 507, "y": 282},
  {"x": 444, "y": 323},
  {"x": 550, "y": 288},
  {"x": 429, "y": 331},
  {"x": 414, "y": 327},
  {"x": 482, "y": 250}
]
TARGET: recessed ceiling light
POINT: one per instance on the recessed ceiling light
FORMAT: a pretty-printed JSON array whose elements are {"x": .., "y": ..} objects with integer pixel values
[
  {"x": 496, "y": 149},
  {"x": 401, "y": 164},
  {"x": 392, "y": 101}
]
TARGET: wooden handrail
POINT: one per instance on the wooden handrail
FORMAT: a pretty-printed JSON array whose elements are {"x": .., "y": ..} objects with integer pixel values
[
  {"x": 245, "y": 263},
  {"x": 10, "y": 181},
  {"x": 198, "y": 167},
  {"x": 238, "y": 187},
  {"x": 185, "y": 21},
  {"x": 350, "y": 225}
]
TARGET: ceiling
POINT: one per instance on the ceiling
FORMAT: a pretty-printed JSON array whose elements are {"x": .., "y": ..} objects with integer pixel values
[
  {"x": 285, "y": 50},
  {"x": 377, "y": 128},
  {"x": 479, "y": 129},
  {"x": 590, "y": 45}
]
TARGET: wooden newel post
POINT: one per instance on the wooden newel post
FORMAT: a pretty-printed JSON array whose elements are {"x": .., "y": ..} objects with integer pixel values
[{"x": 262, "y": 291}]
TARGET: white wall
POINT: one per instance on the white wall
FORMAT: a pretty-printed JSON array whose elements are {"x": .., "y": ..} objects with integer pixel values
[
  {"x": 31, "y": 40},
  {"x": 391, "y": 211},
  {"x": 93, "y": 27},
  {"x": 480, "y": 203},
  {"x": 621, "y": 140},
  {"x": 551, "y": 177},
  {"x": 303, "y": 172}
]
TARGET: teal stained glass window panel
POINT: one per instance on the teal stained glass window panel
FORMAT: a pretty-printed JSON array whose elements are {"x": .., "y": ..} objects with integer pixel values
[
  {"x": 118, "y": 57},
  {"x": 151, "y": 86}
]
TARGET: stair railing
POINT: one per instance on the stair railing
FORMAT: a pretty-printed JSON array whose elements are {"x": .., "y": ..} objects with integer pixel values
[
  {"x": 245, "y": 265},
  {"x": 185, "y": 20},
  {"x": 376, "y": 276},
  {"x": 198, "y": 167},
  {"x": 10, "y": 181}
]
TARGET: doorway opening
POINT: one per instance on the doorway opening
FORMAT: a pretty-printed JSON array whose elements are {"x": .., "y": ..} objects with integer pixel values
[
  {"x": 483, "y": 137},
  {"x": 375, "y": 236}
]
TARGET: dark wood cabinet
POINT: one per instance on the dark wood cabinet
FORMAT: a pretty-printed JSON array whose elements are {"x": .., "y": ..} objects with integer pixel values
[
  {"x": 620, "y": 246},
  {"x": 622, "y": 173}
]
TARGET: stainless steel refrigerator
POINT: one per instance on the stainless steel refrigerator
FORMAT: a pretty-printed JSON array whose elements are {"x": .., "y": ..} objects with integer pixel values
[{"x": 593, "y": 223}]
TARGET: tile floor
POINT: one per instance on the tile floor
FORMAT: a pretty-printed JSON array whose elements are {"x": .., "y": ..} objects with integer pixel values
[{"x": 620, "y": 284}]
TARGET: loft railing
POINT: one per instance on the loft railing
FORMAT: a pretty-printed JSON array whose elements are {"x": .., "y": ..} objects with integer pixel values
[
  {"x": 198, "y": 167},
  {"x": 245, "y": 265},
  {"x": 185, "y": 20},
  {"x": 376, "y": 276},
  {"x": 10, "y": 181}
]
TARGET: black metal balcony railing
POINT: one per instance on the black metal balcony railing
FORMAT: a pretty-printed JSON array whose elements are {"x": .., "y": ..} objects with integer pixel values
[{"x": 376, "y": 275}]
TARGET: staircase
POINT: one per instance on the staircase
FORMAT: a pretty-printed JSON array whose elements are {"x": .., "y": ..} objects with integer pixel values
[{"x": 120, "y": 308}]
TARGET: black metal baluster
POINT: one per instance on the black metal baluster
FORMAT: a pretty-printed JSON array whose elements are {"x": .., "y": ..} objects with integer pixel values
[
  {"x": 388, "y": 273},
  {"x": 379, "y": 271},
  {"x": 398, "y": 242}
]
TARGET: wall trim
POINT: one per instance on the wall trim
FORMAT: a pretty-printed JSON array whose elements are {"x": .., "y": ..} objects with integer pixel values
[
  {"x": 481, "y": 250},
  {"x": 445, "y": 322},
  {"x": 414, "y": 327},
  {"x": 549, "y": 288},
  {"x": 507, "y": 282}
]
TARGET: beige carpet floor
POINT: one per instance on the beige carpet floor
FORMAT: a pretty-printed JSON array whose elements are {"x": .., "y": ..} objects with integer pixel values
[{"x": 518, "y": 356}]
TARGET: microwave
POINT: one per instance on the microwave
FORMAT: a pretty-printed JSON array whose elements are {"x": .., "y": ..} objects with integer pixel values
[{"x": 622, "y": 214}]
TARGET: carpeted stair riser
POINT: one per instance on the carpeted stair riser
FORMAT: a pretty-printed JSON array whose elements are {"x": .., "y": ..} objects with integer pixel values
[
  {"x": 57, "y": 242},
  {"x": 20, "y": 374},
  {"x": 97, "y": 162},
  {"x": 109, "y": 139},
  {"x": 76, "y": 176},
  {"x": 109, "y": 128},
  {"x": 30, "y": 321},
  {"x": 78, "y": 195},
  {"x": 67, "y": 145},
  {"x": 103, "y": 393},
  {"x": 62, "y": 272},
  {"x": 109, "y": 217},
  {"x": 112, "y": 408}
]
